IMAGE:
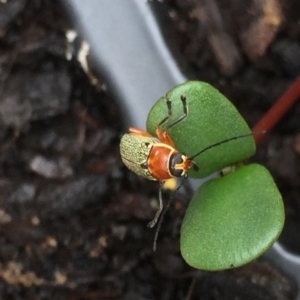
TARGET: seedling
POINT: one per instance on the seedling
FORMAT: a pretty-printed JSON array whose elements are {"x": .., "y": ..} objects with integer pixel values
[{"x": 230, "y": 220}]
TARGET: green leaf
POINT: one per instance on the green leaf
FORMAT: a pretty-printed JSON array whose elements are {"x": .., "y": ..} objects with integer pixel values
[
  {"x": 211, "y": 118},
  {"x": 232, "y": 220}
]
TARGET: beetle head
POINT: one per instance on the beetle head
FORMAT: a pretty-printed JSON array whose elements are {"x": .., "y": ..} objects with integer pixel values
[{"x": 179, "y": 164}]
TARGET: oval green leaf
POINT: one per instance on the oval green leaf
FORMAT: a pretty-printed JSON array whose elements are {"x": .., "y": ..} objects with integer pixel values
[
  {"x": 232, "y": 220},
  {"x": 211, "y": 118}
]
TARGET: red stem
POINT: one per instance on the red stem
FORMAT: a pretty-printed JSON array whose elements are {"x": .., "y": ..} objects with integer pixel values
[{"x": 277, "y": 111}]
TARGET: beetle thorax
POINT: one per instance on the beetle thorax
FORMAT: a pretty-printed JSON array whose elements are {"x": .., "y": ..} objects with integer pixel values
[{"x": 158, "y": 161}]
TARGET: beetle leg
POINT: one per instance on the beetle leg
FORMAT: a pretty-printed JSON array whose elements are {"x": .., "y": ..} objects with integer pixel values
[
  {"x": 160, "y": 208},
  {"x": 169, "y": 106},
  {"x": 139, "y": 132},
  {"x": 163, "y": 134},
  {"x": 164, "y": 137},
  {"x": 165, "y": 210},
  {"x": 184, "y": 106}
]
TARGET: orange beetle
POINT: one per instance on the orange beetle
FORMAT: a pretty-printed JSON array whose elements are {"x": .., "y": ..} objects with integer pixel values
[
  {"x": 155, "y": 158},
  {"x": 162, "y": 161}
]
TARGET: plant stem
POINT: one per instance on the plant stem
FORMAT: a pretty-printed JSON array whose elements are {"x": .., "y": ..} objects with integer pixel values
[{"x": 278, "y": 110}]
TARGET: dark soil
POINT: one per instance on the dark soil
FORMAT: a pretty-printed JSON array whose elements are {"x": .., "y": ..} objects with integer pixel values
[{"x": 73, "y": 219}]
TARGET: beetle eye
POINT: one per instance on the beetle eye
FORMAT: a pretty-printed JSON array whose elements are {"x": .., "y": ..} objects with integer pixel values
[{"x": 176, "y": 159}]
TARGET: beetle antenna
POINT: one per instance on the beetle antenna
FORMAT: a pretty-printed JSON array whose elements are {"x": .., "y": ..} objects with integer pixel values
[
  {"x": 226, "y": 141},
  {"x": 162, "y": 215}
]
